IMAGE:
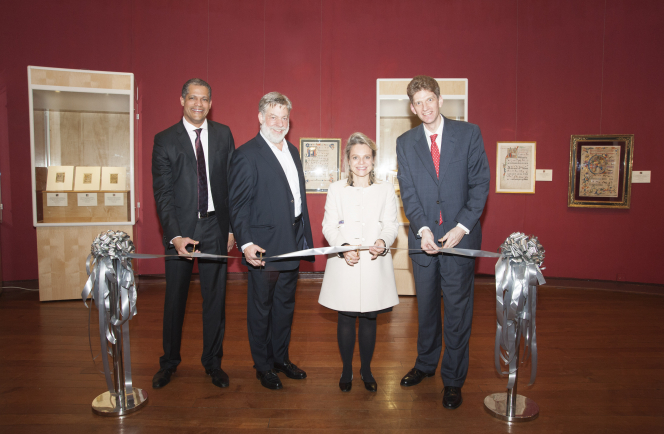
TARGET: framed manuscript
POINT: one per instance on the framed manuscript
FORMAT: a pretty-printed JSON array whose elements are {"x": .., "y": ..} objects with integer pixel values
[
  {"x": 113, "y": 178},
  {"x": 320, "y": 163},
  {"x": 60, "y": 178},
  {"x": 600, "y": 171},
  {"x": 86, "y": 178},
  {"x": 515, "y": 167}
]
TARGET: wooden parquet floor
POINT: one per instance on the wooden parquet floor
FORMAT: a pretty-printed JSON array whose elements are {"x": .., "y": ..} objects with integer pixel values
[{"x": 601, "y": 369}]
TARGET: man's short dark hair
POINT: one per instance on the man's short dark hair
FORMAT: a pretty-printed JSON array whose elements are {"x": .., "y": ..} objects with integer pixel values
[
  {"x": 195, "y": 82},
  {"x": 422, "y": 82}
]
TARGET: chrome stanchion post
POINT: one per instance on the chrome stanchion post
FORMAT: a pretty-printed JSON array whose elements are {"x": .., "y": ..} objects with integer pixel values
[
  {"x": 510, "y": 406},
  {"x": 517, "y": 276},
  {"x": 118, "y": 403},
  {"x": 118, "y": 365}
]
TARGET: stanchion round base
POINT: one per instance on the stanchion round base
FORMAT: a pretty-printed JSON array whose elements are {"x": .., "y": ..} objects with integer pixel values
[
  {"x": 496, "y": 405},
  {"x": 106, "y": 405}
]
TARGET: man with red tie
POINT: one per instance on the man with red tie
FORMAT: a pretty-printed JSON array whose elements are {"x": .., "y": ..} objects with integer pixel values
[
  {"x": 190, "y": 183},
  {"x": 444, "y": 181}
]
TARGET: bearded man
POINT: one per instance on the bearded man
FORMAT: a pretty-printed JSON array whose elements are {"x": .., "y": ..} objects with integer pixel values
[{"x": 268, "y": 209}]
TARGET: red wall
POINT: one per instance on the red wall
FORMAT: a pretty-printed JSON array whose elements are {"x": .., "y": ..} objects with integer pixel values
[{"x": 537, "y": 70}]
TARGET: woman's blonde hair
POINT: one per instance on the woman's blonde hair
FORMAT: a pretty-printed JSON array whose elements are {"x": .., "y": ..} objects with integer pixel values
[{"x": 359, "y": 139}]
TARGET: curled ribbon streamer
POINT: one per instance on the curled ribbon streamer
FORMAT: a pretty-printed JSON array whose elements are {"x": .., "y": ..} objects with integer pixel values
[
  {"x": 112, "y": 287},
  {"x": 517, "y": 276}
]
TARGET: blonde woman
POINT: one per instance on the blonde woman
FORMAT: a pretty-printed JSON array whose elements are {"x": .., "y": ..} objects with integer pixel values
[{"x": 359, "y": 211}]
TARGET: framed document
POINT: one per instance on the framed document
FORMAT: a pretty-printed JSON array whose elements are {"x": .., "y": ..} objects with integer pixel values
[
  {"x": 515, "y": 167},
  {"x": 87, "y": 178},
  {"x": 600, "y": 171},
  {"x": 113, "y": 178},
  {"x": 60, "y": 178},
  {"x": 320, "y": 163}
]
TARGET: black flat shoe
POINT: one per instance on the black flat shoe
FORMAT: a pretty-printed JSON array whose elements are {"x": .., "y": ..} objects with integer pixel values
[
  {"x": 452, "y": 397},
  {"x": 269, "y": 379},
  {"x": 345, "y": 387},
  {"x": 290, "y": 370},
  {"x": 415, "y": 376},
  {"x": 162, "y": 378},
  {"x": 219, "y": 377},
  {"x": 371, "y": 386}
]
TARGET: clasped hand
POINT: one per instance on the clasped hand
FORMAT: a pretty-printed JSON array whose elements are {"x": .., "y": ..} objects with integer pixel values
[
  {"x": 353, "y": 256},
  {"x": 449, "y": 240}
]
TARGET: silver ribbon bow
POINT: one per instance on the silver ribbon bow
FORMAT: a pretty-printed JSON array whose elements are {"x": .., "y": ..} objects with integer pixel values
[
  {"x": 517, "y": 276},
  {"x": 111, "y": 284}
]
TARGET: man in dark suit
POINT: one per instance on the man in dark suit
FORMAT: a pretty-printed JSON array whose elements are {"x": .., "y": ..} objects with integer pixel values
[
  {"x": 190, "y": 182},
  {"x": 269, "y": 215},
  {"x": 444, "y": 180}
]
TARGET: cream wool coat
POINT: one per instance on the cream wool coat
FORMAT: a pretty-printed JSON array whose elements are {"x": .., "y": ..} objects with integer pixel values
[{"x": 359, "y": 216}]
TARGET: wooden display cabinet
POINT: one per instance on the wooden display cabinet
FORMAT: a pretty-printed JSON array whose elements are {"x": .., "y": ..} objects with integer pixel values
[
  {"x": 83, "y": 119},
  {"x": 393, "y": 118}
]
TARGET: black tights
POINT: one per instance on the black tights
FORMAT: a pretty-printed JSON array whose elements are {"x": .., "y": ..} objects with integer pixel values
[{"x": 346, "y": 338}]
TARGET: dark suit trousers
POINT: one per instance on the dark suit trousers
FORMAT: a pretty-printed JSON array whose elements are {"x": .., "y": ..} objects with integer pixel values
[
  {"x": 457, "y": 283},
  {"x": 212, "y": 275},
  {"x": 270, "y": 307}
]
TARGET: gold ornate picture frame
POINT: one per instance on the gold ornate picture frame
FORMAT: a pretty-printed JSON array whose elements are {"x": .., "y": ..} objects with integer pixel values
[{"x": 600, "y": 171}]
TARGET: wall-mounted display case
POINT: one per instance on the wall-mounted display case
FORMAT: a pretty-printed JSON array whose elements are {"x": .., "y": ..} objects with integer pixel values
[
  {"x": 81, "y": 132},
  {"x": 393, "y": 118}
]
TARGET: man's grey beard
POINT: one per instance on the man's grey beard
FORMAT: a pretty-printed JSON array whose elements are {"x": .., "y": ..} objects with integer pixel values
[{"x": 274, "y": 139}]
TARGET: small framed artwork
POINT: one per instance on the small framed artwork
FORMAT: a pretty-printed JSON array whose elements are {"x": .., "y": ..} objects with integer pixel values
[
  {"x": 600, "y": 171},
  {"x": 87, "y": 178},
  {"x": 113, "y": 178},
  {"x": 515, "y": 167},
  {"x": 320, "y": 163},
  {"x": 60, "y": 178}
]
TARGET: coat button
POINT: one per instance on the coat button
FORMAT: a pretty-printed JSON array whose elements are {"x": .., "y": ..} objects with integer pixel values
[
  {"x": 291, "y": 201},
  {"x": 436, "y": 221},
  {"x": 436, "y": 201}
]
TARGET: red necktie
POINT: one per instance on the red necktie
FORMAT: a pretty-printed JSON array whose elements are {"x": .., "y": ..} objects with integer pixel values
[
  {"x": 435, "y": 155},
  {"x": 202, "y": 175}
]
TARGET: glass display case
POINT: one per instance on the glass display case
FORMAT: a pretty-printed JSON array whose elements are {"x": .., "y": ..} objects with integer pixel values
[
  {"x": 82, "y": 149},
  {"x": 81, "y": 121},
  {"x": 393, "y": 118}
]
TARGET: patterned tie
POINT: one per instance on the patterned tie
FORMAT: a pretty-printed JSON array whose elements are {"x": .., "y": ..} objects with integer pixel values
[
  {"x": 435, "y": 155},
  {"x": 202, "y": 175}
]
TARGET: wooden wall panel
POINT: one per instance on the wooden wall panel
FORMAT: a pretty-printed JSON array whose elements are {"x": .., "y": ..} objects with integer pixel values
[
  {"x": 62, "y": 252},
  {"x": 400, "y": 87},
  {"x": 80, "y": 79},
  {"x": 89, "y": 139}
]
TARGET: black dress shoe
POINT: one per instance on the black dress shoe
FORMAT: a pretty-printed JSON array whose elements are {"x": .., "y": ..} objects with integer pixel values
[
  {"x": 371, "y": 386},
  {"x": 452, "y": 397},
  {"x": 269, "y": 379},
  {"x": 414, "y": 376},
  {"x": 162, "y": 378},
  {"x": 290, "y": 370},
  {"x": 345, "y": 387},
  {"x": 219, "y": 377}
]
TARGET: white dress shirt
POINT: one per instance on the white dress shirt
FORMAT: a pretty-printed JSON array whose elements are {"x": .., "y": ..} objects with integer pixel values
[
  {"x": 439, "y": 142},
  {"x": 288, "y": 165}
]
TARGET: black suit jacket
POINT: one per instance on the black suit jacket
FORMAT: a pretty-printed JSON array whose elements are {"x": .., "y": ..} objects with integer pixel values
[
  {"x": 261, "y": 202},
  {"x": 175, "y": 179}
]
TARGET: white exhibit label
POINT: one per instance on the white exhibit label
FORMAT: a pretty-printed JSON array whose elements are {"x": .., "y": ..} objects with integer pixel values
[
  {"x": 641, "y": 176},
  {"x": 56, "y": 199},
  {"x": 114, "y": 199},
  {"x": 544, "y": 175},
  {"x": 87, "y": 199}
]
